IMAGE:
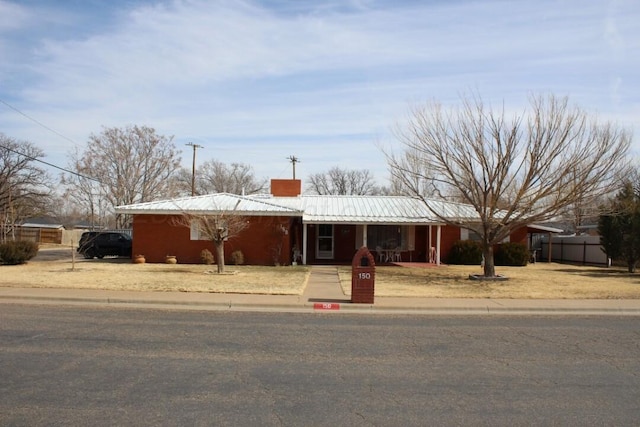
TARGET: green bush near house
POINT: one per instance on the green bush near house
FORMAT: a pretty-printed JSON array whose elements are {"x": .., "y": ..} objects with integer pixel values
[
  {"x": 18, "y": 252},
  {"x": 512, "y": 254},
  {"x": 465, "y": 252}
]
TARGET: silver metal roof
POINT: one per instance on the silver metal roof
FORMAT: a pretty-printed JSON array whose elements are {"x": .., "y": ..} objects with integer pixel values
[
  {"x": 211, "y": 203},
  {"x": 314, "y": 209}
]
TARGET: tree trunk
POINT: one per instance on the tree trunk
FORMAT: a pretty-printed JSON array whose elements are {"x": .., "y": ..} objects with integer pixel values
[
  {"x": 220, "y": 255},
  {"x": 489, "y": 265},
  {"x": 631, "y": 265}
]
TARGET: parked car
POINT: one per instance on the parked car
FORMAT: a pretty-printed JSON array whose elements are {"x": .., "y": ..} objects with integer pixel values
[{"x": 104, "y": 243}]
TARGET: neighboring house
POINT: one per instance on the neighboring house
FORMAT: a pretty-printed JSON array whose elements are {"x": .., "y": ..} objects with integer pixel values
[{"x": 286, "y": 226}]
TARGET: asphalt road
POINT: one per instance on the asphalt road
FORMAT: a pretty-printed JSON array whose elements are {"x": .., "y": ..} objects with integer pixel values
[{"x": 77, "y": 366}]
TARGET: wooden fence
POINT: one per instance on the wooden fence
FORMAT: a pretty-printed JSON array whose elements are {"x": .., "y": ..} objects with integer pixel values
[{"x": 38, "y": 235}]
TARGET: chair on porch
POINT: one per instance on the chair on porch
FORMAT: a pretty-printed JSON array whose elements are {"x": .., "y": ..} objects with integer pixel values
[
  {"x": 432, "y": 255},
  {"x": 381, "y": 255},
  {"x": 397, "y": 255}
]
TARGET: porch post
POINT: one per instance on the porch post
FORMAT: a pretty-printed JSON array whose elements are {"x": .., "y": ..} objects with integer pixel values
[
  {"x": 304, "y": 244},
  {"x": 429, "y": 243},
  {"x": 364, "y": 235},
  {"x": 438, "y": 240}
]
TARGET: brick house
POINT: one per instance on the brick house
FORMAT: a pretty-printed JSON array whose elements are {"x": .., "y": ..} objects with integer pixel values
[{"x": 285, "y": 227}]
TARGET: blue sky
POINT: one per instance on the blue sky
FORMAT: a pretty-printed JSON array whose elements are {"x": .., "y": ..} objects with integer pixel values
[{"x": 326, "y": 81}]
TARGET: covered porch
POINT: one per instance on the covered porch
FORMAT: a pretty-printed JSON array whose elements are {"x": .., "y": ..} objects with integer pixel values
[{"x": 336, "y": 243}]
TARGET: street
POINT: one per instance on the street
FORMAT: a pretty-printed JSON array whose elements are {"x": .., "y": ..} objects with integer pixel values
[{"x": 93, "y": 366}]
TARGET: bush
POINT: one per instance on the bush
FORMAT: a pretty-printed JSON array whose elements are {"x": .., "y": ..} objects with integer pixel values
[
  {"x": 206, "y": 256},
  {"x": 512, "y": 254},
  {"x": 237, "y": 257},
  {"x": 465, "y": 252},
  {"x": 19, "y": 252}
]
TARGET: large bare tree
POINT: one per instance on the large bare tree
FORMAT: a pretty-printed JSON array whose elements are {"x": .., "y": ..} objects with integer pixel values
[
  {"x": 513, "y": 170},
  {"x": 339, "y": 181},
  {"x": 217, "y": 177},
  {"x": 25, "y": 188},
  {"x": 134, "y": 165},
  {"x": 85, "y": 192}
]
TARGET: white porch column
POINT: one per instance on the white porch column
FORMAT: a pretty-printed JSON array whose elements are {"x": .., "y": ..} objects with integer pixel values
[
  {"x": 304, "y": 244},
  {"x": 364, "y": 235},
  {"x": 438, "y": 236}
]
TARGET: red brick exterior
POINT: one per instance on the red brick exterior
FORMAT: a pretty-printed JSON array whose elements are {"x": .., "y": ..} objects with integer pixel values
[
  {"x": 270, "y": 240},
  {"x": 363, "y": 277},
  {"x": 265, "y": 242},
  {"x": 449, "y": 235},
  {"x": 286, "y": 187}
]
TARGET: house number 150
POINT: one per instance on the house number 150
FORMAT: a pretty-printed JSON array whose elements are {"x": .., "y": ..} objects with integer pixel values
[{"x": 364, "y": 275}]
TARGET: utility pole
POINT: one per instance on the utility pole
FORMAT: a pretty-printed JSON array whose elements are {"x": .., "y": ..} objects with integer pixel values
[
  {"x": 293, "y": 160},
  {"x": 193, "y": 167}
]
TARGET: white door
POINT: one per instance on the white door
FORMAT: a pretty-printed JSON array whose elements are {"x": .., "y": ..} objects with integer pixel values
[{"x": 324, "y": 241}]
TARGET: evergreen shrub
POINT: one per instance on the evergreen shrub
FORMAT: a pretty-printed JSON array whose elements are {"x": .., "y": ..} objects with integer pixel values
[
  {"x": 465, "y": 252},
  {"x": 511, "y": 254},
  {"x": 17, "y": 252}
]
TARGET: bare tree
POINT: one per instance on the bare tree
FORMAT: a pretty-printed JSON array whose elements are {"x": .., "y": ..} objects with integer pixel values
[
  {"x": 25, "y": 188},
  {"x": 217, "y": 177},
  {"x": 216, "y": 227},
  {"x": 419, "y": 180},
  {"x": 513, "y": 171},
  {"x": 85, "y": 192},
  {"x": 338, "y": 181},
  {"x": 134, "y": 165}
]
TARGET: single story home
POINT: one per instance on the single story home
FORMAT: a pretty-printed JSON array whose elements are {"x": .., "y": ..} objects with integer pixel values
[{"x": 286, "y": 227}]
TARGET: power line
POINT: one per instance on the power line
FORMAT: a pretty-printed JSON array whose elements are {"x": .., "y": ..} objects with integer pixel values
[
  {"x": 50, "y": 164},
  {"x": 50, "y": 130},
  {"x": 37, "y": 122}
]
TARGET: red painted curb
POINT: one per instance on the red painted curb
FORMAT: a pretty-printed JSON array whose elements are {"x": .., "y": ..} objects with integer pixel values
[{"x": 326, "y": 306}]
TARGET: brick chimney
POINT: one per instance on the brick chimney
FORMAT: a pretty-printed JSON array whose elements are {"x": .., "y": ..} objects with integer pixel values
[{"x": 286, "y": 187}]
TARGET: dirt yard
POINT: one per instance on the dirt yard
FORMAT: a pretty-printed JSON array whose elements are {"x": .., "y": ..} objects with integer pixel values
[{"x": 61, "y": 267}]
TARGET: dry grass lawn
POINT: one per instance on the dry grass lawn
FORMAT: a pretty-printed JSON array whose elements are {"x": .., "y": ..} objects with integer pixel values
[
  {"x": 54, "y": 267},
  {"x": 541, "y": 280}
]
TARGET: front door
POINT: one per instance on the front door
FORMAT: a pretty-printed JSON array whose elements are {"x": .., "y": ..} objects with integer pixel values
[{"x": 324, "y": 242}]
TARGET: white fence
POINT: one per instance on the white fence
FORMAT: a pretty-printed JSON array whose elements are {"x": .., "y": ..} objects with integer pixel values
[{"x": 573, "y": 249}]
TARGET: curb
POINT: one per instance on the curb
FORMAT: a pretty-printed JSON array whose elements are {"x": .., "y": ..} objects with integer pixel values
[{"x": 320, "y": 308}]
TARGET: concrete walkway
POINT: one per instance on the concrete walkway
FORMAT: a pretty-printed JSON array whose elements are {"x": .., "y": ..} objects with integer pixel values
[
  {"x": 322, "y": 293},
  {"x": 324, "y": 286}
]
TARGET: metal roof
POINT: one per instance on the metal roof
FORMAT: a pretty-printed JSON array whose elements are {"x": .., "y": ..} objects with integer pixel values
[
  {"x": 314, "y": 209},
  {"x": 211, "y": 203}
]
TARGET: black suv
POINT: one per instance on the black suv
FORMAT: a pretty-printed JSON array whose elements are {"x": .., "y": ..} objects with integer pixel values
[{"x": 103, "y": 243}]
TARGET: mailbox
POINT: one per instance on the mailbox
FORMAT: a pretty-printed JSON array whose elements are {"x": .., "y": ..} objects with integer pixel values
[{"x": 363, "y": 274}]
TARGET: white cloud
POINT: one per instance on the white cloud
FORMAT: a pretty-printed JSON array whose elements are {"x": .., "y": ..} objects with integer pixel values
[{"x": 331, "y": 76}]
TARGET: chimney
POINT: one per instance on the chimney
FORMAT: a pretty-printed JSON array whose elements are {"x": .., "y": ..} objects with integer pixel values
[{"x": 286, "y": 187}]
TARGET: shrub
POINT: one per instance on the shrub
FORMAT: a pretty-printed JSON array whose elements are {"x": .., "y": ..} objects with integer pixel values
[
  {"x": 237, "y": 257},
  {"x": 18, "y": 252},
  {"x": 206, "y": 256},
  {"x": 512, "y": 254},
  {"x": 465, "y": 252}
]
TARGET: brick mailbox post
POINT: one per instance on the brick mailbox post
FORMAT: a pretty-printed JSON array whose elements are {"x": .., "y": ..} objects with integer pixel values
[{"x": 363, "y": 273}]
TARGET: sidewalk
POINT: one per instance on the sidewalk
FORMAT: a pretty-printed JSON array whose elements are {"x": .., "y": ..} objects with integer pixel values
[{"x": 322, "y": 294}]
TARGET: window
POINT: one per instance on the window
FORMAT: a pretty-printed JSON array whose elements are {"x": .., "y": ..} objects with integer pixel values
[{"x": 388, "y": 236}]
